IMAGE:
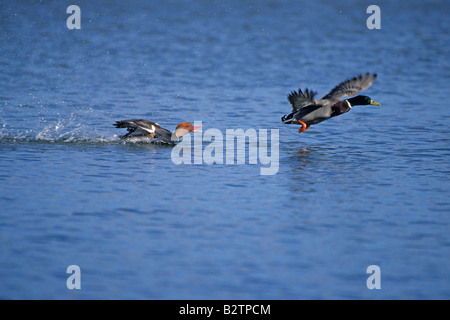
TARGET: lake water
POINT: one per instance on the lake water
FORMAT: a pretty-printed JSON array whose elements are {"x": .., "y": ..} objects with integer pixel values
[{"x": 370, "y": 187}]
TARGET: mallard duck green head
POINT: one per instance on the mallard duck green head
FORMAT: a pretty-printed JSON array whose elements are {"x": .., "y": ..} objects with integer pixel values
[{"x": 362, "y": 101}]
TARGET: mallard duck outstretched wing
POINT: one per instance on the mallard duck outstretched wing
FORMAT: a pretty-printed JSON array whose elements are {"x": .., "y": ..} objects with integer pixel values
[
  {"x": 350, "y": 87},
  {"x": 301, "y": 99}
]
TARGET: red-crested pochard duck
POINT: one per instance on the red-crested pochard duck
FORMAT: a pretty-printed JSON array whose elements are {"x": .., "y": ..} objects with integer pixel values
[{"x": 150, "y": 131}]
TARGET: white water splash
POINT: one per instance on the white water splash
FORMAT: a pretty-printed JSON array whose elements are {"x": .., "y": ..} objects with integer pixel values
[{"x": 62, "y": 130}]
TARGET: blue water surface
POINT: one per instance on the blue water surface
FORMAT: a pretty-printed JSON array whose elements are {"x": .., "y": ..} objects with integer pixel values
[{"x": 370, "y": 187}]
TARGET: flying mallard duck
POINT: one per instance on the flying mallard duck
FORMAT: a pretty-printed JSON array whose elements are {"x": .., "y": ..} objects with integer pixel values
[{"x": 308, "y": 111}]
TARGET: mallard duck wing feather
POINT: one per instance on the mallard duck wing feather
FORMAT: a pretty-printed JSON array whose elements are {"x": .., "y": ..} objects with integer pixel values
[
  {"x": 301, "y": 99},
  {"x": 348, "y": 88}
]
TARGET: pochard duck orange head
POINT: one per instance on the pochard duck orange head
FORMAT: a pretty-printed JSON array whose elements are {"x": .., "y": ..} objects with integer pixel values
[{"x": 185, "y": 128}]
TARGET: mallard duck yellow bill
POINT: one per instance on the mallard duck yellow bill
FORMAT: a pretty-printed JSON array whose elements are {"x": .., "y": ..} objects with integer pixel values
[{"x": 374, "y": 103}]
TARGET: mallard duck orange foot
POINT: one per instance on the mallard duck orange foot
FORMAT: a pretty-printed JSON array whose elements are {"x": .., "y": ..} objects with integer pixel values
[{"x": 304, "y": 126}]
